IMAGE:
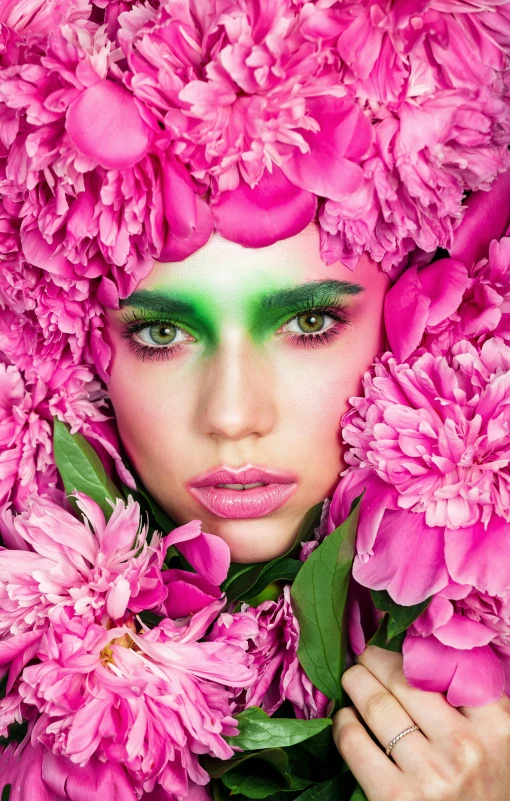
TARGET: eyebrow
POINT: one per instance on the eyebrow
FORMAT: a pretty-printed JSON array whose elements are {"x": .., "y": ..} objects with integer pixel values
[
  {"x": 315, "y": 292},
  {"x": 158, "y": 302}
]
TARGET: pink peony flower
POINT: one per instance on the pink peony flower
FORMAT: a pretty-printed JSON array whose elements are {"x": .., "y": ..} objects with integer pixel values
[
  {"x": 467, "y": 297},
  {"x": 431, "y": 436},
  {"x": 36, "y": 773},
  {"x": 93, "y": 681},
  {"x": 92, "y": 567},
  {"x": 27, "y": 464},
  {"x": 270, "y": 633},
  {"x": 150, "y": 701},
  {"x": 461, "y": 646},
  {"x": 100, "y": 570},
  {"x": 40, "y": 16}
]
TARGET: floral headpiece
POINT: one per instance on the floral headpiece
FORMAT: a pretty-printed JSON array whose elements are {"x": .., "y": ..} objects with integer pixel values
[{"x": 130, "y": 131}]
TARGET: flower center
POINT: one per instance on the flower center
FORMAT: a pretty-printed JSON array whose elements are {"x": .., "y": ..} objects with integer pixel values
[{"x": 107, "y": 655}]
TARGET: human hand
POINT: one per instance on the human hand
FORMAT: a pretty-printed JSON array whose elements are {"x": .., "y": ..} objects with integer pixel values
[{"x": 459, "y": 754}]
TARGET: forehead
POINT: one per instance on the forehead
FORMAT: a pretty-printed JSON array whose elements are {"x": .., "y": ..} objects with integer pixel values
[{"x": 222, "y": 267}]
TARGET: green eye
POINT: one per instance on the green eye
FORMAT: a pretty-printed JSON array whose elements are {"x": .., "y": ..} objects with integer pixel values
[
  {"x": 159, "y": 334},
  {"x": 162, "y": 334},
  {"x": 310, "y": 322}
]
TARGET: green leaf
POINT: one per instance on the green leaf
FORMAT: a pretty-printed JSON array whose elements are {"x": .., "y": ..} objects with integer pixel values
[
  {"x": 6, "y": 793},
  {"x": 15, "y": 733},
  {"x": 248, "y": 581},
  {"x": 358, "y": 794},
  {"x": 151, "y": 619},
  {"x": 400, "y": 617},
  {"x": 381, "y": 639},
  {"x": 319, "y": 596},
  {"x": 270, "y": 593},
  {"x": 251, "y": 786},
  {"x": 325, "y": 791},
  {"x": 235, "y": 573},
  {"x": 258, "y": 731},
  {"x": 321, "y": 747},
  {"x": 163, "y": 522},
  {"x": 283, "y": 569},
  {"x": 217, "y": 767},
  {"x": 81, "y": 468},
  {"x": 261, "y": 774}
]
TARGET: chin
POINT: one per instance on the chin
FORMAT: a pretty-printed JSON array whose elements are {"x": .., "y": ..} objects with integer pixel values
[{"x": 257, "y": 540}]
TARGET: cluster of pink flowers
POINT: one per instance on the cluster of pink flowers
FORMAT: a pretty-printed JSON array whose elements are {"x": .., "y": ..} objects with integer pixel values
[
  {"x": 100, "y": 688},
  {"x": 129, "y": 131},
  {"x": 430, "y": 443},
  {"x": 270, "y": 635},
  {"x": 27, "y": 409}
]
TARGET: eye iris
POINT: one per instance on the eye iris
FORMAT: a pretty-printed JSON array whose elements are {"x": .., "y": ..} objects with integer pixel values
[
  {"x": 310, "y": 323},
  {"x": 162, "y": 334}
]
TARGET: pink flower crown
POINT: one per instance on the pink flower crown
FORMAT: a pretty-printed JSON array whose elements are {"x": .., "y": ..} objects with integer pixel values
[{"x": 130, "y": 131}]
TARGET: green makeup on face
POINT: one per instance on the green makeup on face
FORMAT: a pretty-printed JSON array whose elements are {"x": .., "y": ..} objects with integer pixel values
[
  {"x": 262, "y": 312},
  {"x": 272, "y": 309}
]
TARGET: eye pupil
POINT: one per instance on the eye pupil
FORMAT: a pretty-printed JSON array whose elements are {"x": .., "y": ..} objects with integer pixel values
[
  {"x": 310, "y": 322},
  {"x": 162, "y": 334}
]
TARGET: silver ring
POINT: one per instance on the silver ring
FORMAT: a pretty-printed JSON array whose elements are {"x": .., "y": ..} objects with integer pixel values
[{"x": 395, "y": 740}]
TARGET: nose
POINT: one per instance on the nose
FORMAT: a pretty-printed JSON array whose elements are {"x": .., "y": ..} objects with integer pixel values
[{"x": 236, "y": 394}]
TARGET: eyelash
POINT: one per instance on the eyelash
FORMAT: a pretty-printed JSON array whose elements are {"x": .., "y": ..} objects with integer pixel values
[{"x": 137, "y": 321}]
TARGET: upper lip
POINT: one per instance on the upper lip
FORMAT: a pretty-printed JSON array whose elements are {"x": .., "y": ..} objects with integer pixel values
[{"x": 242, "y": 475}]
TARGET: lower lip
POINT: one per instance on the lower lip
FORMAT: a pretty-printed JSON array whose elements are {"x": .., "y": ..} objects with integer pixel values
[{"x": 243, "y": 504}]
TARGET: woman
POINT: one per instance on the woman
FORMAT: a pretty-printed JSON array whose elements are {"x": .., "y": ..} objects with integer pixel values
[
  {"x": 229, "y": 356},
  {"x": 232, "y": 368}
]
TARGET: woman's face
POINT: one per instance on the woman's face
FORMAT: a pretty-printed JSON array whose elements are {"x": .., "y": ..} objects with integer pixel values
[{"x": 232, "y": 369}]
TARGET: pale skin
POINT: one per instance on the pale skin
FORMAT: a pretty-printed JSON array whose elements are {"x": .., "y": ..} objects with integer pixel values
[{"x": 242, "y": 387}]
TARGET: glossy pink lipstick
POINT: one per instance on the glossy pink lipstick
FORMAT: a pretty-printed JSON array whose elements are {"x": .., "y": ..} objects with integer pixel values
[{"x": 247, "y": 492}]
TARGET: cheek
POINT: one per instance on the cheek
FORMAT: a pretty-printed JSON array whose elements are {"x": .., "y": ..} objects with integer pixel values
[{"x": 146, "y": 407}]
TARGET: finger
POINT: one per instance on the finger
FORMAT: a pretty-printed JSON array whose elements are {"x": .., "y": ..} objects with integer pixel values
[
  {"x": 386, "y": 718},
  {"x": 496, "y": 715},
  {"x": 431, "y": 711},
  {"x": 380, "y": 778}
]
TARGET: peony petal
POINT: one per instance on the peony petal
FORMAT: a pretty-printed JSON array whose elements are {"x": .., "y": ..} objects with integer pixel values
[
  {"x": 175, "y": 249},
  {"x": 479, "y": 679},
  {"x": 327, "y": 169},
  {"x": 12, "y": 647},
  {"x": 180, "y": 199},
  {"x": 187, "y": 593},
  {"x": 428, "y": 664},
  {"x": 274, "y": 209},
  {"x": 406, "y": 311},
  {"x": 444, "y": 282},
  {"x": 487, "y": 217},
  {"x": 470, "y": 678},
  {"x": 463, "y": 633},
  {"x": 108, "y": 293},
  {"x": 480, "y": 557},
  {"x": 96, "y": 780},
  {"x": 408, "y": 581},
  {"x": 207, "y": 553},
  {"x": 41, "y": 254},
  {"x": 105, "y": 125},
  {"x": 438, "y": 613},
  {"x": 183, "y": 533},
  {"x": 118, "y": 597},
  {"x": 20, "y": 766}
]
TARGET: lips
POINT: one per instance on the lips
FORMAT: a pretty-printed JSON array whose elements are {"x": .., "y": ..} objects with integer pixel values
[{"x": 242, "y": 494}]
